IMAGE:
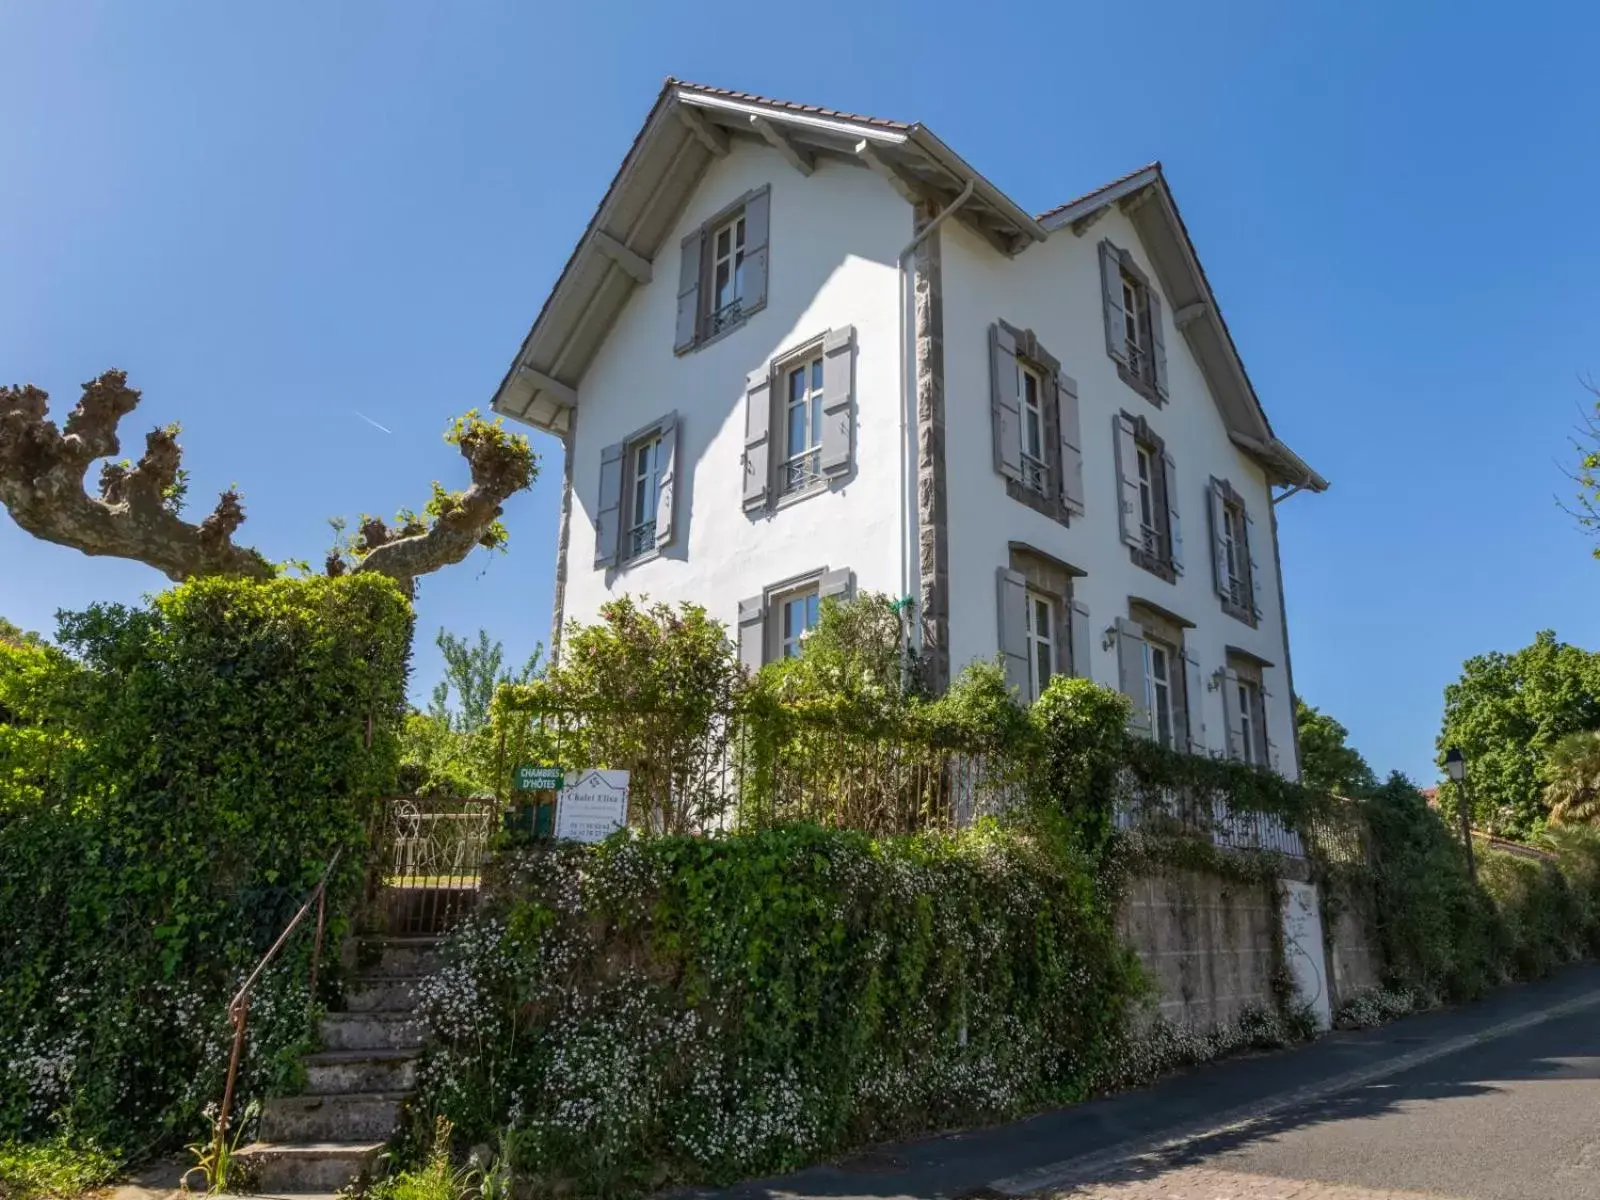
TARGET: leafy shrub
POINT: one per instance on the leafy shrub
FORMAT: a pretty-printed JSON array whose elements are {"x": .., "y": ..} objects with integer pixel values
[
  {"x": 219, "y": 755},
  {"x": 58, "y": 1169},
  {"x": 675, "y": 1009}
]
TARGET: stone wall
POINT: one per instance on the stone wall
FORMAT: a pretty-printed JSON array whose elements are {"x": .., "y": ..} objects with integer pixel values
[
  {"x": 1207, "y": 942},
  {"x": 1353, "y": 952}
]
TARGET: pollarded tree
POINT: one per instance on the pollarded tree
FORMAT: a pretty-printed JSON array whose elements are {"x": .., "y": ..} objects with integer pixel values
[{"x": 138, "y": 511}]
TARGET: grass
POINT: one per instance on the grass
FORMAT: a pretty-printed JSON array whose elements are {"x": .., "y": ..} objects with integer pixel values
[{"x": 53, "y": 1170}]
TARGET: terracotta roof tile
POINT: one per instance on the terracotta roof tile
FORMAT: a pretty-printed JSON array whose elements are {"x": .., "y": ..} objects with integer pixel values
[{"x": 813, "y": 109}]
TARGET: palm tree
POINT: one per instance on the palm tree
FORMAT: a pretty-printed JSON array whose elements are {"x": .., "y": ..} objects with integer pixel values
[{"x": 1572, "y": 779}]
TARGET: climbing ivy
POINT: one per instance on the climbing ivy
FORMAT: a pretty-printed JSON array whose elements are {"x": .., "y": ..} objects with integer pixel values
[
  {"x": 662, "y": 1010},
  {"x": 170, "y": 793}
]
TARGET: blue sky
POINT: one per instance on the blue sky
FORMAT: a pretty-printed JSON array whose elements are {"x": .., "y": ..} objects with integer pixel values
[{"x": 280, "y": 216}]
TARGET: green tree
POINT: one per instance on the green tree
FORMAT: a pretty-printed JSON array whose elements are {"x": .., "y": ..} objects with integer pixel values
[
  {"x": 1506, "y": 712},
  {"x": 473, "y": 672},
  {"x": 15, "y": 635},
  {"x": 1327, "y": 762},
  {"x": 1572, "y": 779}
]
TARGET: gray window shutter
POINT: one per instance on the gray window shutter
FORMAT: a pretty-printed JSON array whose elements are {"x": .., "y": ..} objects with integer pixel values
[
  {"x": 1158, "y": 342},
  {"x": 1130, "y": 673},
  {"x": 1169, "y": 472},
  {"x": 752, "y": 632},
  {"x": 1127, "y": 447},
  {"x": 838, "y": 394},
  {"x": 1004, "y": 402},
  {"x": 757, "y": 419},
  {"x": 1218, "y": 509},
  {"x": 1013, "y": 598},
  {"x": 1082, "y": 641},
  {"x": 608, "y": 512},
  {"x": 1111, "y": 289},
  {"x": 840, "y": 584},
  {"x": 1255, "y": 570},
  {"x": 757, "y": 223},
  {"x": 1230, "y": 706},
  {"x": 1071, "y": 443},
  {"x": 1269, "y": 748},
  {"x": 667, "y": 479},
  {"x": 689, "y": 291},
  {"x": 1194, "y": 690}
]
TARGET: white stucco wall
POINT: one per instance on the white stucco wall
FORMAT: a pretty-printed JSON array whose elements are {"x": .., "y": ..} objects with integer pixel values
[
  {"x": 1054, "y": 289},
  {"x": 834, "y": 240}
]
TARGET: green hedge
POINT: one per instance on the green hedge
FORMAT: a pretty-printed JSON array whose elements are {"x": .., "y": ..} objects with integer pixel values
[
  {"x": 169, "y": 798},
  {"x": 1444, "y": 939},
  {"x": 661, "y": 1010}
]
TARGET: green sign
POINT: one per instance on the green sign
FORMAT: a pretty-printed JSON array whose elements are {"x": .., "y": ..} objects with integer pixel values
[{"x": 539, "y": 779}]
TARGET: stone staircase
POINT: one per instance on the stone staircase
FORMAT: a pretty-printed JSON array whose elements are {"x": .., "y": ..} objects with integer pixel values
[{"x": 357, "y": 1085}]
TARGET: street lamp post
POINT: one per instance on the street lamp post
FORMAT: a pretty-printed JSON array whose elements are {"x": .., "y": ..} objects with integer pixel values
[{"x": 1455, "y": 764}]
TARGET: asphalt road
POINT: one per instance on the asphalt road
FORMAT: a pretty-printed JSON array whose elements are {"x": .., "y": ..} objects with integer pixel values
[
  {"x": 1498, "y": 1100},
  {"x": 1516, "y": 1118}
]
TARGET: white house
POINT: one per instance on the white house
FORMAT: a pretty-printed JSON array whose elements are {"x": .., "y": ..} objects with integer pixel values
[{"x": 800, "y": 352}]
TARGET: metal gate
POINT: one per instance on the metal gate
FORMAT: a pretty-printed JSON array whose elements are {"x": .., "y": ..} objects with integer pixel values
[{"x": 430, "y": 850}]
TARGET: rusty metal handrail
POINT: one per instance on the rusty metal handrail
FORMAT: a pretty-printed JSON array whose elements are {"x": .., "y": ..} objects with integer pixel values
[{"x": 238, "y": 1007}]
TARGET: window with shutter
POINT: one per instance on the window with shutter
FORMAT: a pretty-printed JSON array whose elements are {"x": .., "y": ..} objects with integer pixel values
[
  {"x": 1135, "y": 327},
  {"x": 1147, "y": 479},
  {"x": 1245, "y": 694},
  {"x": 1166, "y": 674},
  {"x": 775, "y": 625},
  {"x": 638, "y": 486},
  {"x": 800, "y": 421},
  {"x": 1238, "y": 582},
  {"x": 723, "y": 272},
  {"x": 1034, "y": 411}
]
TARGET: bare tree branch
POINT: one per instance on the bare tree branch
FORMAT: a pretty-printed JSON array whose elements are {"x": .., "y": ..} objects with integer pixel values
[{"x": 42, "y": 473}]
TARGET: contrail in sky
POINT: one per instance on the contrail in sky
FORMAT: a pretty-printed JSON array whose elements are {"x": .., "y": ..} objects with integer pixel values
[{"x": 371, "y": 422}]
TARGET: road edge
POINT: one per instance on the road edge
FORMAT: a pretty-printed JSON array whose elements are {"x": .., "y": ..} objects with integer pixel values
[{"x": 1070, "y": 1170}]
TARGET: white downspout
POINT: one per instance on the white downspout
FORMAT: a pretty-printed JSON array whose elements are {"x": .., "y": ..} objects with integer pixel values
[{"x": 908, "y": 401}]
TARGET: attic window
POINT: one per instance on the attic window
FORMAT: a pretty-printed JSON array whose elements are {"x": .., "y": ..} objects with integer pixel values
[
  {"x": 723, "y": 275},
  {"x": 1135, "y": 333}
]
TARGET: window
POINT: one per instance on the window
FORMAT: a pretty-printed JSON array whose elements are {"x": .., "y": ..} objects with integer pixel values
[
  {"x": 1236, "y": 544},
  {"x": 633, "y": 512},
  {"x": 644, "y": 475},
  {"x": 723, "y": 274},
  {"x": 1147, "y": 498},
  {"x": 1041, "y": 631},
  {"x": 1147, "y": 476},
  {"x": 1030, "y": 394},
  {"x": 1038, "y": 447},
  {"x": 797, "y": 617},
  {"x": 1248, "y": 699},
  {"x": 776, "y": 623},
  {"x": 1133, "y": 311},
  {"x": 800, "y": 421},
  {"x": 727, "y": 275},
  {"x": 1134, "y": 337},
  {"x": 802, "y": 463},
  {"x": 1234, "y": 568},
  {"x": 1159, "y": 684}
]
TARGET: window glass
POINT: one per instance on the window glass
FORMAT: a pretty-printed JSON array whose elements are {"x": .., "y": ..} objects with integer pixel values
[
  {"x": 727, "y": 272},
  {"x": 797, "y": 615},
  {"x": 1147, "y": 502},
  {"x": 644, "y": 486},
  {"x": 1041, "y": 643},
  {"x": 1247, "y": 721},
  {"x": 1158, "y": 688},
  {"x": 802, "y": 425}
]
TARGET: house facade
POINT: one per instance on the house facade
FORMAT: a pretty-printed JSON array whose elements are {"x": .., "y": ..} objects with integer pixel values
[{"x": 801, "y": 353}]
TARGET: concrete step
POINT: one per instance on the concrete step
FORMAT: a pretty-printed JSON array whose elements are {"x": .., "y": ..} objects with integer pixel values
[
  {"x": 347, "y": 1117},
  {"x": 343, "y": 1072},
  {"x": 371, "y": 1031},
  {"x": 388, "y": 957},
  {"x": 393, "y": 994},
  {"x": 279, "y": 1168}
]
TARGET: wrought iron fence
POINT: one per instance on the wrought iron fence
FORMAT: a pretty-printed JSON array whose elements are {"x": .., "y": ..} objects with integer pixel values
[{"x": 430, "y": 852}]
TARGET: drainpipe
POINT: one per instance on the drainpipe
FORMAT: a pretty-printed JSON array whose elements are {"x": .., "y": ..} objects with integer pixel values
[{"x": 908, "y": 400}]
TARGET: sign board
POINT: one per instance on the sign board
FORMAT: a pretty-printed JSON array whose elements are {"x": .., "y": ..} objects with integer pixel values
[
  {"x": 537, "y": 779},
  {"x": 592, "y": 806}
]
